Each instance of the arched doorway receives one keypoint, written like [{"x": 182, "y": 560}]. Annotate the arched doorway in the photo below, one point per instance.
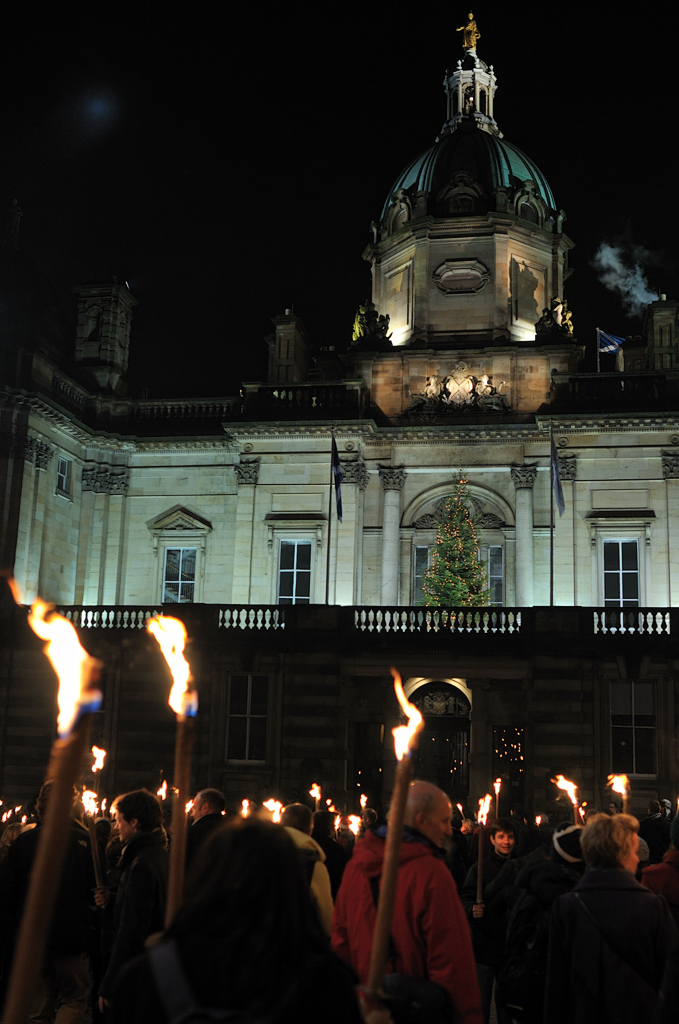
[{"x": 443, "y": 753}]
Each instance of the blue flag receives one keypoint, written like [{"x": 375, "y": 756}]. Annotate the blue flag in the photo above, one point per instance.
[
  {"x": 556, "y": 481},
  {"x": 338, "y": 476},
  {"x": 609, "y": 342}
]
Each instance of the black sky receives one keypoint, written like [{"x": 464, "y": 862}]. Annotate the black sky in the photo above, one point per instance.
[{"x": 228, "y": 163}]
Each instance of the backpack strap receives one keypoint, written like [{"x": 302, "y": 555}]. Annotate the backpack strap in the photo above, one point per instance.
[{"x": 650, "y": 994}]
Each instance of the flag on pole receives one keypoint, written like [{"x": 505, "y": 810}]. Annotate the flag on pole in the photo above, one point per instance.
[
  {"x": 609, "y": 342},
  {"x": 556, "y": 481},
  {"x": 338, "y": 476}
]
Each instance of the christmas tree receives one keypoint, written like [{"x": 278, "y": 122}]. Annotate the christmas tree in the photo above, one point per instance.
[{"x": 456, "y": 578}]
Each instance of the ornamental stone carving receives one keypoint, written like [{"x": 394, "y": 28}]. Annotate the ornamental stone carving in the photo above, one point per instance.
[
  {"x": 356, "y": 473},
  {"x": 488, "y": 521},
  {"x": 392, "y": 477},
  {"x": 458, "y": 392},
  {"x": 43, "y": 455},
  {"x": 247, "y": 470},
  {"x": 568, "y": 467},
  {"x": 524, "y": 476},
  {"x": 670, "y": 465},
  {"x": 119, "y": 480},
  {"x": 427, "y": 522}
]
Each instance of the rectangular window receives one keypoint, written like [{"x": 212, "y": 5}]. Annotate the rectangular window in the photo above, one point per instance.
[
  {"x": 179, "y": 576},
  {"x": 64, "y": 467},
  {"x": 422, "y": 563},
  {"x": 496, "y": 574},
  {"x": 633, "y": 726},
  {"x": 621, "y": 574},
  {"x": 247, "y": 708},
  {"x": 294, "y": 572}
]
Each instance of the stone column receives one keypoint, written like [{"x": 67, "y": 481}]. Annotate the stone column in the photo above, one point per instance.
[
  {"x": 565, "y": 562},
  {"x": 524, "y": 478},
  {"x": 393, "y": 479},
  {"x": 119, "y": 481},
  {"x": 356, "y": 473},
  {"x": 43, "y": 454},
  {"x": 670, "y": 472},
  {"x": 247, "y": 474}
]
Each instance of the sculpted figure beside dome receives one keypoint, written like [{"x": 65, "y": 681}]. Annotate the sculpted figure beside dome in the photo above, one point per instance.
[{"x": 471, "y": 33}]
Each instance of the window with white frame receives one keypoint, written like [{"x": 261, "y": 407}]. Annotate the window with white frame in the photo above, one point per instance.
[
  {"x": 495, "y": 574},
  {"x": 421, "y": 563},
  {"x": 294, "y": 572},
  {"x": 633, "y": 727},
  {"x": 247, "y": 709},
  {"x": 621, "y": 573},
  {"x": 179, "y": 576},
  {"x": 64, "y": 475}
]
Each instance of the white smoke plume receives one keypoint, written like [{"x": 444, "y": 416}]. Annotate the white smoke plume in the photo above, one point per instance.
[{"x": 621, "y": 271}]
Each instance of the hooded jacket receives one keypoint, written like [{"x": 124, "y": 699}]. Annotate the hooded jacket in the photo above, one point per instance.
[
  {"x": 320, "y": 879},
  {"x": 429, "y": 929}
]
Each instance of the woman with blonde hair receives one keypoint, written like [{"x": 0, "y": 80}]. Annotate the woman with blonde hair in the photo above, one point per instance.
[{"x": 612, "y": 943}]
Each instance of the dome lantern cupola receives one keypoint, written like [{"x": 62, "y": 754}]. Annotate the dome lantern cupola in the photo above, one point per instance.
[{"x": 470, "y": 93}]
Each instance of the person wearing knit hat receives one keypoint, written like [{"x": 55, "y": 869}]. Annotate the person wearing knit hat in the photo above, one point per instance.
[
  {"x": 663, "y": 879},
  {"x": 566, "y": 842}
]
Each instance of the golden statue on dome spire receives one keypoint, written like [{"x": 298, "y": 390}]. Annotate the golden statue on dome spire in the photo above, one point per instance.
[{"x": 471, "y": 34}]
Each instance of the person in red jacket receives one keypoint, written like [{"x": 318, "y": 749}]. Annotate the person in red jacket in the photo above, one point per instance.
[
  {"x": 663, "y": 879},
  {"x": 430, "y": 933}
]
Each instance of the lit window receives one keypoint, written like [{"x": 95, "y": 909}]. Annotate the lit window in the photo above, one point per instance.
[
  {"x": 294, "y": 572},
  {"x": 248, "y": 700},
  {"x": 421, "y": 564},
  {"x": 179, "y": 576},
  {"x": 633, "y": 728},
  {"x": 621, "y": 574},
  {"x": 64, "y": 468}
]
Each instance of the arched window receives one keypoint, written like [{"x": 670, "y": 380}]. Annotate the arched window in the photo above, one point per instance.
[
  {"x": 528, "y": 212},
  {"x": 482, "y": 101}
]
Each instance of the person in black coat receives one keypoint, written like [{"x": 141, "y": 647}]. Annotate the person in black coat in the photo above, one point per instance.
[
  {"x": 246, "y": 940},
  {"x": 488, "y": 920},
  {"x": 655, "y": 830},
  {"x": 139, "y": 908},
  {"x": 207, "y": 814},
  {"x": 64, "y": 979},
  {"x": 612, "y": 943},
  {"x": 336, "y": 858}
]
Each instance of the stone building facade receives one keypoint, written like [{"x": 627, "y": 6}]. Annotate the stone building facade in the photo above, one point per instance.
[{"x": 218, "y": 510}]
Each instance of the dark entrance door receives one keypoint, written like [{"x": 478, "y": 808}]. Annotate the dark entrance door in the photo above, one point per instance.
[{"x": 443, "y": 753}]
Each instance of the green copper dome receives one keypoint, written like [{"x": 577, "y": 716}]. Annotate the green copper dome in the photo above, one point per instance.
[{"x": 487, "y": 158}]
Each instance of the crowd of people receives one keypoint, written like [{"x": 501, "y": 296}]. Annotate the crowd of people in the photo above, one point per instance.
[{"x": 568, "y": 923}]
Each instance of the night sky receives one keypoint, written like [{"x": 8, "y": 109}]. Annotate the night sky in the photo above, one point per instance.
[{"x": 227, "y": 170}]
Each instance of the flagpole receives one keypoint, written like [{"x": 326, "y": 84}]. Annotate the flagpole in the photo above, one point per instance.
[
  {"x": 551, "y": 516},
  {"x": 327, "y": 564},
  {"x": 598, "y": 350}
]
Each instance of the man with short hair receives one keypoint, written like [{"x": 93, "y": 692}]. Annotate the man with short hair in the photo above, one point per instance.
[
  {"x": 335, "y": 856},
  {"x": 430, "y": 936},
  {"x": 207, "y": 815},
  {"x": 297, "y": 822},
  {"x": 655, "y": 829},
  {"x": 488, "y": 919}
]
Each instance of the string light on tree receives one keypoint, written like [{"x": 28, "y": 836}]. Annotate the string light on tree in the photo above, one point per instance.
[{"x": 456, "y": 577}]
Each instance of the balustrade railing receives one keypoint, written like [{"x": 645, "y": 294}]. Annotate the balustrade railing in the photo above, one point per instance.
[
  {"x": 252, "y": 617},
  {"x": 632, "y": 620},
  {"x": 88, "y": 617},
  {"x": 435, "y": 620}
]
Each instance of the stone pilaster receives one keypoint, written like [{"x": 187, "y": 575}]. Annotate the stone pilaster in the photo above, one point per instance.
[
  {"x": 392, "y": 479},
  {"x": 524, "y": 478}
]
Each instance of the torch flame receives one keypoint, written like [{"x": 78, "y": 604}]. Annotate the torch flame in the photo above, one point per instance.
[
  {"x": 538, "y": 819},
  {"x": 245, "y": 808},
  {"x": 171, "y": 636},
  {"x": 99, "y": 756},
  {"x": 484, "y": 807},
  {"x": 338, "y": 821},
  {"x": 497, "y": 785},
  {"x": 24, "y": 819},
  {"x": 315, "y": 791},
  {"x": 275, "y": 807},
  {"x": 364, "y": 800},
  {"x": 90, "y": 802},
  {"x": 328, "y": 802},
  {"x": 619, "y": 784},
  {"x": 188, "y": 807},
  {"x": 355, "y": 823},
  {"x": 103, "y": 805},
  {"x": 74, "y": 667},
  {"x": 568, "y": 787},
  {"x": 162, "y": 792},
  {"x": 460, "y": 809},
  {"x": 404, "y": 735}
]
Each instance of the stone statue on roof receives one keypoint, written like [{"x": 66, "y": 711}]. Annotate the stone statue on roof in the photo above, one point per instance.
[{"x": 471, "y": 34}]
